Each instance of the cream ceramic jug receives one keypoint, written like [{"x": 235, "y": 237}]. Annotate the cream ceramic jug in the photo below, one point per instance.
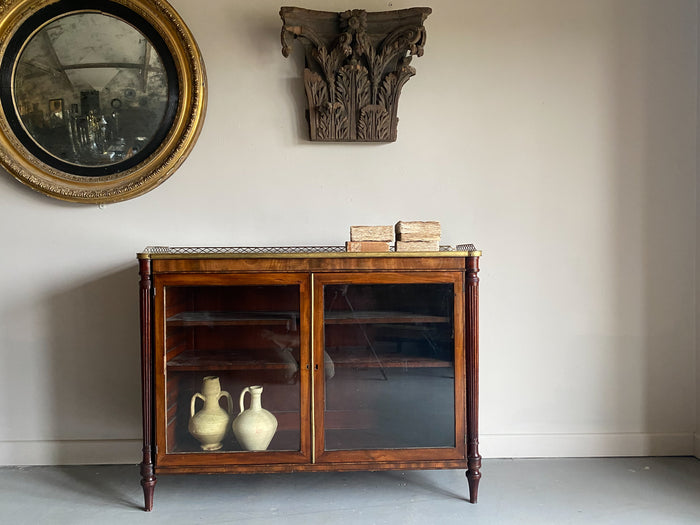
[
  {"x": 209, "y": 425},
  {"x": 254, "y": 427}
]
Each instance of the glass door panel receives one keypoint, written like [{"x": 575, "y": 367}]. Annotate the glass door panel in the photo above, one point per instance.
[
  {"x": 389, "y": 366},
  {"x": 225, "y": 339}
]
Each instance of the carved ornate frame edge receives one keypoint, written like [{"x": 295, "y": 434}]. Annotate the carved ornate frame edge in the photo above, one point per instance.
[{"x": 169, "y": 155}]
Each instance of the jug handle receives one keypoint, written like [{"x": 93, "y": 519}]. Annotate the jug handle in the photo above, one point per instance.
[
  {"x": 241, "y": 399},
  {"x": 229, "y": 402},
  {"x": 194, "y": 398}
]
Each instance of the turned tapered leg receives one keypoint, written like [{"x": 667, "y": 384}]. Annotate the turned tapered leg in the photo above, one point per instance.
[
  {"x": 473, "y": 477},
  {"x": 148, "y": 482}
]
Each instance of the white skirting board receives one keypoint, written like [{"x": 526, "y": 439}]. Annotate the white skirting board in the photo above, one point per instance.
[
  {"x": 71, "y": 452},
  {"x": 128, "y": 451}
]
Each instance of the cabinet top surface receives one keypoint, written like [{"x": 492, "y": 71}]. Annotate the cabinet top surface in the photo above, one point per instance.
[{"x": 182, "y": 252}]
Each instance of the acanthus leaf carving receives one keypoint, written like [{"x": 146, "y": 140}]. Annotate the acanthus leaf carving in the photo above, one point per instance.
[
  {"x": 340, "y": 121},
  {"x": 317, "y": 95},
  {"x": 356, "y": 65},
  {"x": 353, "y": 92},
  {"x": 374, "y": 123}
]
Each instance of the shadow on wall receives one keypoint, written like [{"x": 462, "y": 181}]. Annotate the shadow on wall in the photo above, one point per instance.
[
  {"x": 652, "y": 225},
  {"x": 267, "y": 30},
  {"x": 93, "y": 363}
]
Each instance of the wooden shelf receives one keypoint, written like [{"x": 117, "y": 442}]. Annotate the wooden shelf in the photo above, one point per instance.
[
  {"x": 374, "y": 317},
  {"x": 215, "y": 318},
  {"x": 393, "y": 361},
  {"x": 222, "y": 360},
  {"x": 283, "y": 441}
]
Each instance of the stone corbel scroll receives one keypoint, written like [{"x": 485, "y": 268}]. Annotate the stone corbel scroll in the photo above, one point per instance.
[{"x": 356, "y": 64}]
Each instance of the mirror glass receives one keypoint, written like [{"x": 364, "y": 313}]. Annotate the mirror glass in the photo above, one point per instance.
[{"x": 90, "y": 89}]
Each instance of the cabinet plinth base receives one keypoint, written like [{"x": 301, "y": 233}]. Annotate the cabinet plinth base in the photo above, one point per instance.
[{"x": 288, "y": 468}]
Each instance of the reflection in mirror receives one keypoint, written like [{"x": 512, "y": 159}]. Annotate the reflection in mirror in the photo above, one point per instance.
[{"x": 90, "y": 89}]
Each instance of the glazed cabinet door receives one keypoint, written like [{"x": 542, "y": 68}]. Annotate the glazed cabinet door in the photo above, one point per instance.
[
  {"x": 389, "y": 368},
  {"x": 227, "y": 342}
]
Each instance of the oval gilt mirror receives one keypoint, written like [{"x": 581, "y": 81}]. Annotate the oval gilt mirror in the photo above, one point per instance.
[{"x": 101, "y": 99}]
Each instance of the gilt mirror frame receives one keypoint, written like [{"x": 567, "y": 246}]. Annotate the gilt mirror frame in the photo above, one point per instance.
[{"x": 112, "y": 168}]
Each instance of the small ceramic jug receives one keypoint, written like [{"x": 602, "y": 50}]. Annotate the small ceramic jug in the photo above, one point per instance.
[
  {"x": 209, "y": 425},
  {"x": 254, "y": 427}
]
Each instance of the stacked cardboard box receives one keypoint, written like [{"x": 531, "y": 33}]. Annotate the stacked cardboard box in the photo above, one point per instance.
[
  {"x": 417, "y": 236},
  {"x": 370, "y": 239}
]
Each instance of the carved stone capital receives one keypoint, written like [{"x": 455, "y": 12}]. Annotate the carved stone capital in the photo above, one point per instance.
[{"x": 356, "y": 64}]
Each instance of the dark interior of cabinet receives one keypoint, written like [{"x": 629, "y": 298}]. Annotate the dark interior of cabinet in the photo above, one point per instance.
[
  {"x": 390, "y": 325},
  {"x": 392, "y": 346},
  {"x": 245, "y": 335}
]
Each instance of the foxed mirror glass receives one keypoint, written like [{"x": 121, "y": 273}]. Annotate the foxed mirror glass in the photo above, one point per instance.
[{"x": 101, "y": 99}]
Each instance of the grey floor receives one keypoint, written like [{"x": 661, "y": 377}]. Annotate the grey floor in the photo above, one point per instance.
[{"x": 536, "y": 491}]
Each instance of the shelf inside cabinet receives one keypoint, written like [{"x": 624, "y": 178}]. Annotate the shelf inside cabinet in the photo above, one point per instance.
[
  {"x": 222, "y": 360},
  {"x": 365, "y": 359},
  {"x": 371, "y": 317},
  {"x": 217, "y": 318},
  {"x": 284, "y": 440}
]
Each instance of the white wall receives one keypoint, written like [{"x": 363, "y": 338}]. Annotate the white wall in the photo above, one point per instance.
[
  {"x": 697, "y": 269},
  {"x": 559, "y": 136}
]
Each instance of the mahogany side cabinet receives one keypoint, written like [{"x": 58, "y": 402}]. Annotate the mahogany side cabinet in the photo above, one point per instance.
[{"x": 367, "y": 361}]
